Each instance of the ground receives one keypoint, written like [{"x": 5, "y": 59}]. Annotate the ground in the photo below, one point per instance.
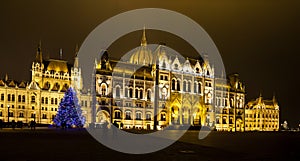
[{"x": 67, "y": 145}]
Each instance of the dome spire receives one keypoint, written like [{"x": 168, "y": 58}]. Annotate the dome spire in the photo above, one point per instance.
[{"x": 144, "y": 41}]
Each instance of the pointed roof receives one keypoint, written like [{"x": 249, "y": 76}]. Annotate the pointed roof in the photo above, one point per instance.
[
  {"x": 76, "y": 57},
  {"x": 144, "y": 40},
  {"x": 39, "y": 55}
]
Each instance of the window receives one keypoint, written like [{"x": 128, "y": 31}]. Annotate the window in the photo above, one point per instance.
[
  {"x": 43, "y": 100},
  {"x": 32, "y": 107},
  {"x": 173, "y": 84},
  {"x": 21, "y": 114},
  {"x": 2, "y": 97},
  {"x": 32, "y": 99},
  {"x": 138, "y": 116},
  {"x": 141, "y": 94},
  {"x": 197, "y": 70},
  {"x": 8, "y": 97},
  {"x": 199, "y": 87},
  {"x": 130, "y": 92},
  {"x": 178, "y": 85},
  {"x": 136, "y": 93},
  {"x": 118, "y": 92},
  {"x": 46, "y": 100},
  {"x": 11, "y": 114},
  {"x": 163, "y": 117},
  {"x": 166, "y": 77},
  {"x": 117, "y": 115},
  {"x": 12, "y": 97},
  {"x": 23, "y": 98},
  {"x": 128, "y": 115},
  {"x": 148, "y": 116},
  {"x": 19, "y": 98},
  {"x": 184, "y": 86},
  {"x": 0, "y": 113},
  {"x": 164, "y": 93},
  {"x": 32, "y": 115},
  {"x": 44, "y": 116},
  {"x": 161, "y": 77},
  {"x": 189, "y": 86},
  {"x": 1, "y": 105},
  {"x": 126, "y": 92},
  {"x": 195, "y": 87},
  {"x": 55, "y": 101},
  {"x": 148, "y": 94},
  {"x": 103, "y": 89},
  {"x": 23, "y": 107}
]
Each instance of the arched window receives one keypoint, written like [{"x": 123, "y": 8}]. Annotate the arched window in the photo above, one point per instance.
[
  {"x": 148, "y": 116},
  {"x": 128, "y": 115},
  {"x": 12, "y": 97},
  {"x": 195, "y": 87},
  {"x": 32, "y": 99},
  {"x": 164, "y": 64},
  {"x": 148, "y": 94},
  {"x": 117, "y": 114},
  {"x": 103, "y": 89},
  {"x": 173, "y": 84},
  {"x": 136, "y": 93},
  {"x": 178, "y": 85},
  {"x": 19, "y": 98},
  {"x": 141, "y": 94},
  {"x": 197, "y": 70},
  {"x": 199, "y": 87},
  {"x": 163, "y": 117},
  {"x": 130, "y": 92},
  {"x": 184, "y": 86},
  {"x": 189, "y": 86},
  {"x": 118, "y": 92}
]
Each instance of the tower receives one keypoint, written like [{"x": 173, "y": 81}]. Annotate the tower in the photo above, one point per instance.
[
  {"x": 76, "y": 79},
  {"x": 37, "y": 66}
]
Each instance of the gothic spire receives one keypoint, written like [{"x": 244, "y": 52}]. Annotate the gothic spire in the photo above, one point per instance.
[
  {"x": 76, "y": 57},
  {"x": 39, "y": 56},
  {"x": 144, "y": 41}
]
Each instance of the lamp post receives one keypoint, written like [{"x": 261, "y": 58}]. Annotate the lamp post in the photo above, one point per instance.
[{"x": 8, "y": 113}]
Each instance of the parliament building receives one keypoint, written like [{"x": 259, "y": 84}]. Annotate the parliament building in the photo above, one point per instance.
[{"x": 130, "y": 92}]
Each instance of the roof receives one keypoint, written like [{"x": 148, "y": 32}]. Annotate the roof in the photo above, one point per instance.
[{"x": 57, "y": 65}]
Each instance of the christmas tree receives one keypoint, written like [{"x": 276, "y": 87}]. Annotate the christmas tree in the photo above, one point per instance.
[{"x": 69, "y": 113}]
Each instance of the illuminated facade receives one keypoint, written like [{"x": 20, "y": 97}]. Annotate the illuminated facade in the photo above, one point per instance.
[
  {"x": 229, "y": 104},
  {"x": 185, "y": 92},
  {"x": 39, "y": 99},
  {"x": 262, "y": 115}
]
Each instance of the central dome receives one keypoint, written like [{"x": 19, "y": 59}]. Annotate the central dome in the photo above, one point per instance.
[{"x": 143, "y": 55}]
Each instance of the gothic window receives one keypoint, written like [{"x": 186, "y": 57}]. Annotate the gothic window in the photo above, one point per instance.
[
  {"x": 136, "y": 93},
  {"x": 173, "y": 84},
  {"x": 148, "y": 94},
  {"x": 199, "y": 88},
  {"x": 130, "y": 92},
  {"x": 103, "y": 89},
  {"x": 126, "y": 92},
  {"x": 164, "y": 93},
  {"x": 8, "y": 97},
  {"x": 12, "y": 97},
  {"x": 178, "y": 85},
  {"x": 197, "y": 70},
  {"x": 189, "y": 86},
  {"x": 207, "y": 72},
  {"x": 32, "y": 99},
  {"x": 117, "y": 92},
  {"x": 19, "y": 98},
  {"x": 195, "y": 87},
  {"x": 184, "y": 86},
  {"x": 141, "y": 94},
  {"x": 176, "y": 66}
]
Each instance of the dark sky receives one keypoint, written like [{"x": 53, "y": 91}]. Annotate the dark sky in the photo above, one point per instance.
[{"x": 259, "y": 39}]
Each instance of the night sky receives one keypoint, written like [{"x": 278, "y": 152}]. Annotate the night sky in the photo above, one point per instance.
[{"x": 259, "y": 39}]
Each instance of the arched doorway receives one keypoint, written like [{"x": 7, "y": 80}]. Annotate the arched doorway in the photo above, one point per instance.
[
  {"x": 175, "y": 115},
  {"x": 102, "y": 118}
]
